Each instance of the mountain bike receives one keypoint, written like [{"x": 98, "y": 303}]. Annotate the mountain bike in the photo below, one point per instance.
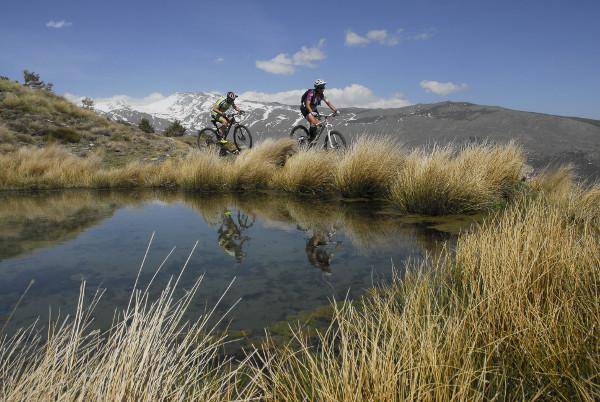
[
  {"x": 333, "y": 139},
  {"x": 242, "y": 138}
]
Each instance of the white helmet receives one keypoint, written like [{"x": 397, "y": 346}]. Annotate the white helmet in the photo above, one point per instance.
[{"x": 320, "y": 84}]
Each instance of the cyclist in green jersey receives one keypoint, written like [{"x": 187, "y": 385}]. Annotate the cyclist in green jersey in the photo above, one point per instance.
[{"x": 218, "y": 113}]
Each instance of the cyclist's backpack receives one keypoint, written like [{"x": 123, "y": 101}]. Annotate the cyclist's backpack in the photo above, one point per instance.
[{"x": 303, "y": 100}]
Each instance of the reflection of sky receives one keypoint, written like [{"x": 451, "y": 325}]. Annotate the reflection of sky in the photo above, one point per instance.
[{"x": 274, "y": 280}]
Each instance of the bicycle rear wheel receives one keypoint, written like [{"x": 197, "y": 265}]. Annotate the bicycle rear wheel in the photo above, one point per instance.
[
  {"x": 300, "y": 134},
  {"x": 242, "y": 138},
  {"x": 337, "y": 141},
  {"x": 207, "y": 138}
]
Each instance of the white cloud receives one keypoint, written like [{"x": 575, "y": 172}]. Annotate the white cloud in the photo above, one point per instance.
[
  {"x": 219, "y": 60},
  {"x": 442, "y": 88},
  {"x": 58, "y": 24},
  {"x": 354, "y": 95},
  {"x": 354, "y": 39},
  {"x": 106, "y": 104},
  {"x": 280, "y": 64},
  {"x": 425, "y": 35},
  {"x": 383, "y": 37},
  {"x": 377, "y": 35},
  {"x": 286, "y": 65},
  {"x": 307, "y": 55},
  {"x": 380, "y": 36}
]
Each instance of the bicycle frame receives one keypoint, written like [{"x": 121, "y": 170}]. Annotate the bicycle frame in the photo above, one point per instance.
[
  {"x": 325, "y": 124},
  {"x": 233, "y": 122}
]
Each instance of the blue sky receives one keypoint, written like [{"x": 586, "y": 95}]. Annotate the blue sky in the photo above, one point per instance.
[{"x": 533, "y": 55}]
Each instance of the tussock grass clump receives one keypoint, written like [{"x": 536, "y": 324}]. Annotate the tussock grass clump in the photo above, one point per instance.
[
  {"x": 446, "y": 181},
  {"x": 369, "y": 167},
  {"x": 201, "y": 171},
  {"x": 255, "y": 168},
  {"x": 49, "y": 167},
  {"x": 308, "y": 171},
  {"x": 514, "y": 316},
  {"x": 579, "y": 203}
]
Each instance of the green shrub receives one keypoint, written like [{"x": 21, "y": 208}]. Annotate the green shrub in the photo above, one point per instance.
[
  {"x": 63, "y": 134},
  {"x": 145, "y": 125},
  {"x": 175, "y": 129}
]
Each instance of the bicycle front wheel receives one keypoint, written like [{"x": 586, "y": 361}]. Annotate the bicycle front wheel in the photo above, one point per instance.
[
  {"x": 242, "y": 138},
  {"x": 206, "y": 138},
  {"x": 335, "y": 140}
]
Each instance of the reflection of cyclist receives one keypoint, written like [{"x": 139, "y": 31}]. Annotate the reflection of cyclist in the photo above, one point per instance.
[
  {"x": 310, "y": 100},
  {"x": 316, "y": 250},
  {"x": 230, "y": 236},
  {"x": 218, "y": 113}
]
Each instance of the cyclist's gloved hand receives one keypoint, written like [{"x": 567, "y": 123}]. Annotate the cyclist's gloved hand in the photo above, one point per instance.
[{"x": 242, "y": 111}]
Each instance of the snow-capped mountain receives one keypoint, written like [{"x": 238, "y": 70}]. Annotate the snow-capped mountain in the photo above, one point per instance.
[
  {"x": 546, "y": 138},
  {"x": 193, "y": 111}
]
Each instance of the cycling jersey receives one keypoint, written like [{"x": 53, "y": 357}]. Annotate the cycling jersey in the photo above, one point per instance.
[
  {"x": 312, "y": 98},
  {"x": 221, "y": 105}
]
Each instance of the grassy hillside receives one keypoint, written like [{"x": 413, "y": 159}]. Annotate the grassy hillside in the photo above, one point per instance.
[{"x": 38, "y": 117}]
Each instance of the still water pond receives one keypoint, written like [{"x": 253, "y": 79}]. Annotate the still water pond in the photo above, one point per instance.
[{"x": 287, "y": 255}]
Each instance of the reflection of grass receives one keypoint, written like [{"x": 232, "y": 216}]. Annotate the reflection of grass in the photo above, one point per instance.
[
  {"x": 437, "y": 182},
  {"x": 511, "y": 314},
  {"x": 33, "y": 220}
]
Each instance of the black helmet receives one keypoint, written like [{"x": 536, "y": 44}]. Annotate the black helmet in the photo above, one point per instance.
[{"x": 231, "y": 96}]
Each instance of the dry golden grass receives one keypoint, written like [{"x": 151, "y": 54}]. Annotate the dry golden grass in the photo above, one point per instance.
[
  {"x": 579, "y": 203},
  {"x": 149, "y": 354},
  {"x": 437, "y": 182},
  {"x": 49, "y": 167},
  {"x": 514, "y": 316},
  {"x": 447, "y": 181},
  {"x": 308, "y": 171},
  {"x": 255, "y": 168},
  {"x": 369, "y": 167}
]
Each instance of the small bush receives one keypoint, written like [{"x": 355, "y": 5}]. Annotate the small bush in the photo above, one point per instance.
[
  {"x": 175, "y": 129},
  {"x": 63, "y": 134},
  {"x": 145, "y": 126}
]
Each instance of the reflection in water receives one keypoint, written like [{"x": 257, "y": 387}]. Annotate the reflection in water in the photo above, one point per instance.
[
  {"x": 319, "y": 251},
  {"x": 271, "y": 244},
  {"x": 231, "y": 238}
]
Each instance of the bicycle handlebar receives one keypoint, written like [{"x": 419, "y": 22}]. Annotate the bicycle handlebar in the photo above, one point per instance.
[{"x": 326, "y": 116}]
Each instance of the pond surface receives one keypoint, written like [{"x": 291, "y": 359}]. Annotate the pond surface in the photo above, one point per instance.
[{"x": 287, "y": 255}]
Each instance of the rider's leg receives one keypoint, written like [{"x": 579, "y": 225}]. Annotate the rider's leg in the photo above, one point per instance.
[
  {"x": 312, "y": 132},
  {"x": 223, "y": 128}
]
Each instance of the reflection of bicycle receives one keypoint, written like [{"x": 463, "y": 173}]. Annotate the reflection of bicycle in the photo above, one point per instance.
[
  {"x": 333, "y": 139},
  {"x": 320, "y": 249},
  {"x": 230, "y": 234},
  {"x": 209, "y": 137}
]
